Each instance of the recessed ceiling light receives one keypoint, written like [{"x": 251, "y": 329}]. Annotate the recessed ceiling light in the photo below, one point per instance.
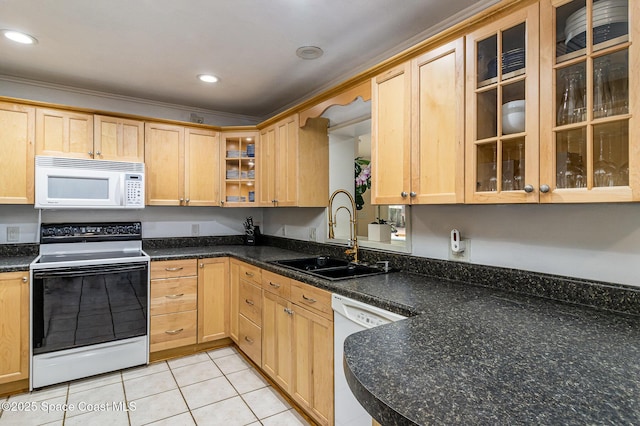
[
  {"x": 19, "y": 37},
  {"x": 309, "y": 52},
  {"x": 208, "y": 78}
]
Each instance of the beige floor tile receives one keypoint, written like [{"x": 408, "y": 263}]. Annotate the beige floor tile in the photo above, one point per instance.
[
  {"x": 287, "y": 418},
  {"x": 141, "y": 387},
  {"x": 219, "y": 353},
  {"x": 101, "y": 418},
  {"x": 157, "y": 407},
  {"x": 41, "y": 412},
  {"x": 187, "y": 360},
  {"x": 42, "y": 394},
  {"x": 231, "y": 363},
  {"x": 156, "y": 367},
  {"x": 183, "y": 419},
  {"x": 94, "y": 382},
  {"x": 194, "y": 373},
  {"x": 265, "y": 402},
  {"x": 207, "y": 392},
  {"x": 230, "y": 412},
  {"x": 247, "y": 380},
  {"x": 93, "y": 399}
]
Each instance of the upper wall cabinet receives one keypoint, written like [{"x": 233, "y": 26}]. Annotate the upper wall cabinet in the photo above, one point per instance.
[
  {"x": 418, "y": 130},
  {"x": 183, "y": 166},
  {"x": 17, "y": 133},
  {"x": 502, "y": 151},
  {"x": 118, "y": 139},
  {"x": 239, "y": 171},
  {"x": 590, "y": 147},
  {"x": 293, "y": 164},
  {"x": 64, "y": 133}
]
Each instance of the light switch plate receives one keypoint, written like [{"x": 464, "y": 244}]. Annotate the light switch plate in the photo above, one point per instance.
[{"x": 13, "y": 234}]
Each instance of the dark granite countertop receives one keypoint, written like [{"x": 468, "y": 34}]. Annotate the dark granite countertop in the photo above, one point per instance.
[{"x": 469, "y": 354}]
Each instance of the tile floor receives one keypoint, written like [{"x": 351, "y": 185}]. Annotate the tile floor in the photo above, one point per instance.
[{"x": 211, "y": 388}]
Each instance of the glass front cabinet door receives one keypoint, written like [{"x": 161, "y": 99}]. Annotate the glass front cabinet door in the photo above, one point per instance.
[
  {"x": 589, "y": 88},
  {"x": 502, "y": 110}
]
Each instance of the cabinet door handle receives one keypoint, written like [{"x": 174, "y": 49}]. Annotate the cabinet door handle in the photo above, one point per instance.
[
  {"x": 248, "y": 339},
  {"x": 90, "y": 154},
  {"x": 98, "y": 153},
  {"x": 249, "y": 302},
  {"x": 173, "y": 332},
  {"x": 202, "y": 265},
  {"x": 412, "y": 194},
  {"x": 274, "y": 285},
  {"x": 528, "y": 188},
  {"x": 309, "y": 299},
  {"x": 249, "y": 274},
  {"x": 177, "y": 268},
  {"x": 174, "y": 296},
  {"x": 544, "y": 188},
  {"x": 288, "y": 311},
  {"x": 25, "y": 279},
  {"x": 404, "y": 194},
  {"x": 187, "y": 200}
]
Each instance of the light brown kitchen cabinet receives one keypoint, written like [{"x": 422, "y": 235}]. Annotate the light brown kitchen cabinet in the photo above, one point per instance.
[
  {"x": 118, "y": 139},
  {"x": 297, "y": 343},
  {"x": 589, "y": 144},
  {"x": 14, "y": 323},
  {"x": 502, "y": 132},
  {"x": 277, "y": 329},
  {"x": 246, "y": 309},
  {"x": 293, "y": 167},
  {"x": 213, "y": 299},
  {"x": 391, "y": 136},
  {"x": 173, "y": 304},
  {"x": 239, "y": 170},
  {"x": 418, "y": 129},
  {"x": 17, "y": 135},
  {"x": 64, "y": 133},
  {"x": 182, "y": 165}
]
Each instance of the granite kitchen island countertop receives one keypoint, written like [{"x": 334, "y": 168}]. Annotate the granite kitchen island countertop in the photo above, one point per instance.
[{"x": 469, "y": 354}]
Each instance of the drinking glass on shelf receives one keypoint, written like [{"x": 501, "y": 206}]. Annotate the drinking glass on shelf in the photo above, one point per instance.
[
  {"x": 604, "y": 170},
  {"x": 493, "y": 180},
  {"x": 623, "y": 175},
  {"x": 601, "y": 90},
  {"x": 618, "y": 86},
  {"x": 518, "y": 173},
  {"x": 571, "y": 107}
]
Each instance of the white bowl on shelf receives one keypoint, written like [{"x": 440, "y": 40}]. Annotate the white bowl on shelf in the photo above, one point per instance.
[{"x": 513, "y": 117}]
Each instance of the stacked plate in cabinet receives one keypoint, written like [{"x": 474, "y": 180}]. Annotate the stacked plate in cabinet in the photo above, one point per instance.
[{"x": 610, "y": 20}]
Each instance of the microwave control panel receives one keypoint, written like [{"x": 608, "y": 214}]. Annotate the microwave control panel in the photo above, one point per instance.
[{"x": 134, "y": 190}]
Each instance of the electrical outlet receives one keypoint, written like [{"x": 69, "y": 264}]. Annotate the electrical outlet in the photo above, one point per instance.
[
  {"x": 195, "y": 230},
  {"x": 13, "y": 234},
  {"x": 312, "y": 234},
  {"x": 465, "y": 256}
]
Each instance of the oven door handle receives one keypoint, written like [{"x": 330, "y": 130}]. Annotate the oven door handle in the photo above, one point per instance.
[{"x": 88, "y": 270}]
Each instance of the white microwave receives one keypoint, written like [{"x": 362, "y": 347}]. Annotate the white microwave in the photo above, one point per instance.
[{"x": 72, "y": 183}]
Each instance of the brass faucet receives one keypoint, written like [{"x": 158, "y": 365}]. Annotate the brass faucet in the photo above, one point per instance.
[{"x": 353, "y": 232}]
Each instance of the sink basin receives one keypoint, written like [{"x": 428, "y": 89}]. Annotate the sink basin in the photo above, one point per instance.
[{"x": 329, "y": 268}]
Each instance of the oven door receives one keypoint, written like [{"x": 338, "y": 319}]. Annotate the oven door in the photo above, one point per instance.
[{"x": 76, "y": 306}]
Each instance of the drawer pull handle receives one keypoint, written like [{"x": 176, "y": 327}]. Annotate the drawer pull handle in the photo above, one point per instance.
[
  {"x": 174, "y": 296},
  {"x": 309, "y": 299},
  {"x": 249, "y": 274},
  {"x": 249, "y": 302},
  {"x": 274, "y": 285},
  {"x": 172, "y": 332},
  {"x": 177, "y": 268},
  {"x": 248, "y": 339}
]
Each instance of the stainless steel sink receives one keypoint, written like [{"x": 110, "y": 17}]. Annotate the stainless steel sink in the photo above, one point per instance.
[{"x": 329, "y": 268}]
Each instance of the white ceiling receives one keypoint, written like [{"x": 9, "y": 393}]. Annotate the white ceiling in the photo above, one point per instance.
[{"x": 154, "y": 49}]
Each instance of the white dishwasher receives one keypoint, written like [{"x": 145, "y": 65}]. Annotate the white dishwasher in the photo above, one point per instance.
[{"x": 350, "y": 317}]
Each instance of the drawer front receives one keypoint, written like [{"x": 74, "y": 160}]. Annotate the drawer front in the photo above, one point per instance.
[
  {"x": 250, "y": 273},
  {"x": 276, "y": 284},
  {"x": 250, "y": 339},
  {"x": 312, "y": 298},
  {"x": 250, "y": 302},
  {"x": 174, "y": 268},
  {"x": 173, "y": 330},
  {"x": 174, "y": 295}
]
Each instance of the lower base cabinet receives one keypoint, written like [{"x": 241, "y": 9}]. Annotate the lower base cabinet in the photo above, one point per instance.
[
  {"x": 213, "y": 299},
  {"x": 14, "y": 326}
]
